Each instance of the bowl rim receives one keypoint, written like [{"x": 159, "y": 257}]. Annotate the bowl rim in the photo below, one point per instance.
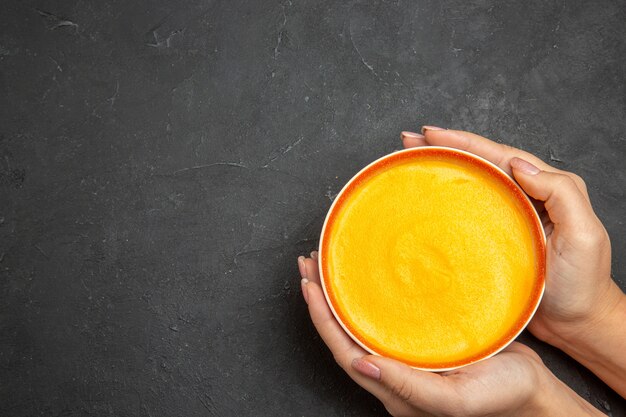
[{"x": 505, "y": 176}]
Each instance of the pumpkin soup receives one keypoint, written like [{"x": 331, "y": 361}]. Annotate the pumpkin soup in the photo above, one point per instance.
[{"x": 434, "y": 257}]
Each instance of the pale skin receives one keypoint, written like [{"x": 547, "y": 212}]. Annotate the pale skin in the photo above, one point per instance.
[{"x": 582, "y": 312}]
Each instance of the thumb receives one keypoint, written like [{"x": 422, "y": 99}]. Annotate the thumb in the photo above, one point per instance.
[
  {"x": 566, "y": 205},
  {"x": 423, "y": 390}
]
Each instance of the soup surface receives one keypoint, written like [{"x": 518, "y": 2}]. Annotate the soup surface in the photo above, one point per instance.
[{"x": 432, "y": 257}]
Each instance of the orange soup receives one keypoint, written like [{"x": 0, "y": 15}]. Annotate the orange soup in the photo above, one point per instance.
[{"x": 434, "y": 257}]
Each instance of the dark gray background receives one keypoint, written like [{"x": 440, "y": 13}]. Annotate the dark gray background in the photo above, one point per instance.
[{"x": 162, "y": 164}]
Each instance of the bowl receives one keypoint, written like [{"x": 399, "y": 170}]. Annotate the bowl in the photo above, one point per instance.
[{"x": 434, "y": 257}]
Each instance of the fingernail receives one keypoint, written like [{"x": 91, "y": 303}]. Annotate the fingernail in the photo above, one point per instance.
[
  {"x": 524, "y": 166},
  {"x": 302, "y": 266},
  {"x": 366, "y": 368},
  {"x": 411, "y": 135},
  {"x": 425, "y": 128},
  {"x": 314, "y": 255},
  {"x": 305, "y": 290}
]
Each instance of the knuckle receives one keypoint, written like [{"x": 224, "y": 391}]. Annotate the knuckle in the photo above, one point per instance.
[
  {"x": 565, "y": 186},
  {"x": 594, "y": 235},
  {"x": 566, "y": 180},
  {"x": 510, "y": 149},
  {"x": 402, "y": 390},
  {"x": 342, "y": 358},
  {"x": 534, "y": 356},
  {"x": 572, "y": 180},
  {"x": 340, "y": 361},
  {"x": 580, "y": 182},
  {"x": 577, "y": 178}
]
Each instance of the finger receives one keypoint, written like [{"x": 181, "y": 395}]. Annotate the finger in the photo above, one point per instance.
[
  {"x": 423, "y": 390},
  {"x": 566, "y": 205},
  {"x": 412, "y": 139},
  {"x": 302, "y": 266},
  {"x": 312, "y": 270},
  {"x": 518, "y": 347},
  {"x": 496, "y": 153},
  {"x": 343, "y": 348}
]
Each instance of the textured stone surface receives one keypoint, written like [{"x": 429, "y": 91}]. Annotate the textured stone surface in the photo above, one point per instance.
[{"x": 162, "y": 164}]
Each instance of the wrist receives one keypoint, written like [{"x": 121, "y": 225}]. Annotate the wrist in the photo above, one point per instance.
[
  {"x": 582, "y": 334},
  {"x": 579, "y": 331},
  {"x": 599, "y": 344},
  {"x": 556, "y": 399}
]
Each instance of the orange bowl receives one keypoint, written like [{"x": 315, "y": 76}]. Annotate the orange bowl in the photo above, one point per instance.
[{"x": 432, "y": 256}]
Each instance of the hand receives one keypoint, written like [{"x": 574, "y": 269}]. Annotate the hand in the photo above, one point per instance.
[
  {"x": 582, "y": 310},
  {"x": 513, "y": 383},
  {"x": 578, "y": 247}
]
